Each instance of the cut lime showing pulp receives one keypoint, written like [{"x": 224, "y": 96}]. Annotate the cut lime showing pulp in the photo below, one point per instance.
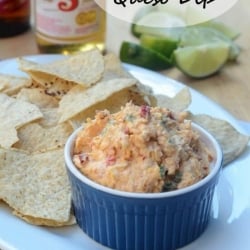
[
  {"x": 223, "y": 28},
  {"x": 141, "y": 13},
  {"x": 138, "y": 55},
  {"x": 162, "y": 45},
  {"x": 160, "y": 24},
  {"x": 158, "y": 19},
  {"x": 173, "y": 33},
  {"x": 197, "y": 35},
  {"x": 202, "y": 60}
]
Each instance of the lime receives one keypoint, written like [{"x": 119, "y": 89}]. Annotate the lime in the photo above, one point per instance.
[
  {"x": 161, "y": 44},
  {"x": 161, "y": 24},
  {"x": 161, "y": 19},
  {"x": 141, "y": 13},
  {"x": 138, "y": 55},
  {"x": 198, "y": 35},
  {"x": 221, "y": 27},
  {"x": 201, "y": 60}
]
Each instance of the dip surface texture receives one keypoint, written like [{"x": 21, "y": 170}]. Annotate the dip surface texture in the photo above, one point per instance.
[{"x": 141, "y": 149}]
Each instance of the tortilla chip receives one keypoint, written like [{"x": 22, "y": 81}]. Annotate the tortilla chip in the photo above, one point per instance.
[
  {"x": 112, "y": 103},
  {"x": 38, "y": 97},
  {"x": 8, "y": 136},
  {"x": 45, "y": 222},
  {"x": 232, "y": 142},
  {"x": 16, "y": 113},
  {"x": 50, "y": 117},
  {"x": 34, "y": 138},
  {"x": 10, "y": 85},
  {"x": 178, "y": 103},
  {"x": 84, "y": 68},
  {"x": 13, "y": 115},
  {"x": 2, "y": 85},
  {"x": 79, "y": 99},
  {"x": 36, "y": 185},
  {"x": 113, "y": 68},
  {"x": 52, "y": 85}
]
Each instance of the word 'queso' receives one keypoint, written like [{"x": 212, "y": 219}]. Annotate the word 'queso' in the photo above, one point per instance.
[{"x": 155, "y": 2}]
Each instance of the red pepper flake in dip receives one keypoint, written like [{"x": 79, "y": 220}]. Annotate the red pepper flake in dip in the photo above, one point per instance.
[
  {"x": 141, "y": 149},
  {"x": 145, "y": 111}
]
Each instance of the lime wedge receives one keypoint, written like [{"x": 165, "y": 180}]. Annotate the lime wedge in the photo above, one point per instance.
[
  {"x": 223, "y": 28},
  {"x": 141, "y": 13},
  {"x": 138, "y": 55},
  {"x": 161, "y": 24},
  {"x": 198, "y": 35},
  {"x": 161, "y": 19},
  {"x": 161, "y": 44},
  {"x": 202, "y": 60}
]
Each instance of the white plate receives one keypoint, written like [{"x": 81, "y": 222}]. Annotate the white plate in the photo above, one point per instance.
[{"x": 230, "y": 224}]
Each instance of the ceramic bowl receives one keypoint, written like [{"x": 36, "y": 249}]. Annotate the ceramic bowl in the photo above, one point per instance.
[{"x": 149, "y": 221}]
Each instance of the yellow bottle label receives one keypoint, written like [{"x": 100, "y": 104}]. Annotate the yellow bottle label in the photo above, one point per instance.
[{"x": 67, "y": 21}]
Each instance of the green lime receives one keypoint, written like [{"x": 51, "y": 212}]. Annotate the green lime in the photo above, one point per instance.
[
  {"x": 141, "y": 13},
  {"x": 161, "y": 19},
  {"x": 198, "y": 35},
  {"x": 138, "y": 55},
  {"x": 160, "y": 23},
  {"x": 201, "y": 60},
  {"x": 191, "y": 16},
  {"x": 161, "y": 44},
  {"x": 221, "y": 27}
]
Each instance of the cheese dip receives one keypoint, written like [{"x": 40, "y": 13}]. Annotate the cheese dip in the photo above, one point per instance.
[{"x": 141, "y": 149}]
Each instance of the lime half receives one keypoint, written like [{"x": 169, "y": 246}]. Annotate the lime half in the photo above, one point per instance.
[
  {"x": 221, "y": 27},
  {"x": 163, "y": 19},
  {"x": 138, "y": 55},
  {"x": 141, "y": 13},
  {"x": 159, "y": 23},
  {"x": 198, "y": 35},
  {"x": 202, "y": 60}
]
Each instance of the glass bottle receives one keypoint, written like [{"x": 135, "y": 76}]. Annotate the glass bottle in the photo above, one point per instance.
[
  {"x": 14, "y": 17},
  {"x": 68, "y": 26}
]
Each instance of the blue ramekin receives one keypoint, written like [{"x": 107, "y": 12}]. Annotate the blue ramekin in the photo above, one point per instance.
[{"x": 143, "y": 221}]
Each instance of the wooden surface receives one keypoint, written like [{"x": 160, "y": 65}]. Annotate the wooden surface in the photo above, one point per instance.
[{"x": 230, "y": 88}]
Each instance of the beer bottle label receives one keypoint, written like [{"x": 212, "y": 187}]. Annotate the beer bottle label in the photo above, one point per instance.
[{"x": 67, "y": 21}]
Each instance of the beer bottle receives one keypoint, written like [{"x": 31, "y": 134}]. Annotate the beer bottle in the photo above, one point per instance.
[
  {"x": 14, "y": 17},
  {"x": 69, "y": 26}
]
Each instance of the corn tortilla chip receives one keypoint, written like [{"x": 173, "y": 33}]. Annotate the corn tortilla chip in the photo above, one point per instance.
[
  {"x": 112, "y": 103},
  {"x": 34, "y": 138},
  {"x": 45, "y": 222},
  {"x": 52, "y": 85},
  {"x": 13, "y": 115},
  {"x": 38, "y": 97},
  {"x": 2, "y": 85},
  {"x": 8, "y": 136},
  {"x": 50, "y": 117},
  {"x": 84, "y": 68},
  {"x": 36, "y": 185},
  {"x": 178, "y": 103},
  {"x": 79, "y": 99},
  {"x": 10, "y": 85},
  {"x": 113, "y": 68},
  {"x": 232, "y": 142}
]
